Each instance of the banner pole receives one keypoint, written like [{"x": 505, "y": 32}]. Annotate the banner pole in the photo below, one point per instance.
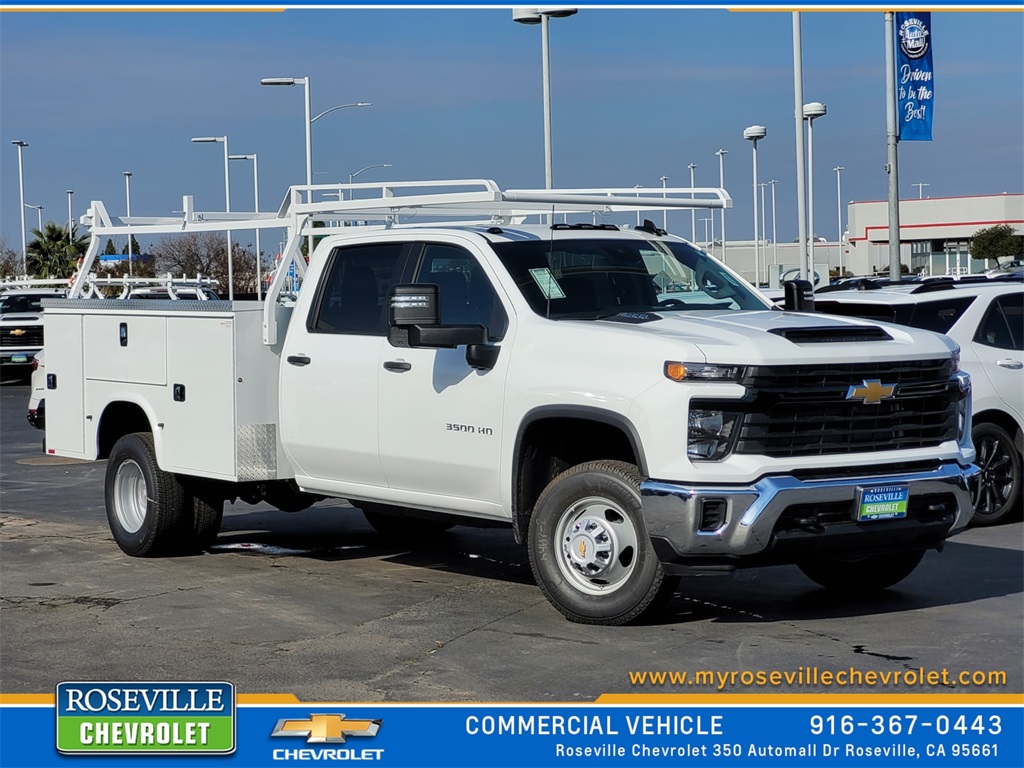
[{"x": 891, "y": 139}]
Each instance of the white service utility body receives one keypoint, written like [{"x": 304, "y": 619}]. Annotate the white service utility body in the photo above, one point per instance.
[{"x": 631, "y": 407}]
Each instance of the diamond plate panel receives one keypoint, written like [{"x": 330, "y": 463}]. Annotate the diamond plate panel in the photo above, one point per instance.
[{"x": 256, "y": 452}]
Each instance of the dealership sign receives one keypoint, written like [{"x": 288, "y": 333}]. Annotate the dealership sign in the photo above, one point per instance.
[{"x": 914, "y": 77}]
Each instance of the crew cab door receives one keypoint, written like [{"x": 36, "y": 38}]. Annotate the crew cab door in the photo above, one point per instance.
[
  {"x": 440, "y": 419},
  {"x": 329, "y": 369}
]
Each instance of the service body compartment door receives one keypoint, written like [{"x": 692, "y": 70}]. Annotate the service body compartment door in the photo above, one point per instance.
[
  {"x": 198, "y": 409},
  {"x": 125, "y": 347},
  {"x": 65, "y": 403}
]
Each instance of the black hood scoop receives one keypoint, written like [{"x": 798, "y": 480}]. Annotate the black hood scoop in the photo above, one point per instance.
[{"x": 832, "y": 334}]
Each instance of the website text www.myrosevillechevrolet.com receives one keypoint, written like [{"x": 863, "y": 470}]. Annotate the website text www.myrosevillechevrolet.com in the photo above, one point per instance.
[{"x": 812, "y": 676}]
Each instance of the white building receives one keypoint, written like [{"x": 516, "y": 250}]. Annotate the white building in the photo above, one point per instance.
[{"x": 935, "y": 233}]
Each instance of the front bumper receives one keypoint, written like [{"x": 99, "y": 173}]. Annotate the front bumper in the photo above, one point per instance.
[{"x": 785, "y": 519}]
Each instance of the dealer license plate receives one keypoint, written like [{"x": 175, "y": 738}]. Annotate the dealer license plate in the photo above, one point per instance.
[
  {"x": 19, "y": 358},
  {"x": 881, "y": 502}
]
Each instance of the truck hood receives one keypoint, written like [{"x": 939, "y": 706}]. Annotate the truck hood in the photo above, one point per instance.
[{"x": 773, "y": 337}]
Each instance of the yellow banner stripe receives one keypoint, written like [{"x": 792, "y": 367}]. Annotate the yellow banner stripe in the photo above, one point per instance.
[{"x": 895, "y": 699}]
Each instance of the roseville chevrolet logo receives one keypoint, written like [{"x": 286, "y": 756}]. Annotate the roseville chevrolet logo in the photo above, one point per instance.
[
  {"x": 326, "y": 729},
  {"x": 871, "y": 392}
]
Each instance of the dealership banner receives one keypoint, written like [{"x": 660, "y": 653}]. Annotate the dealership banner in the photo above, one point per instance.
[
  {"x": 130, "y": 724},
  {"x": 914, "y": 77}
]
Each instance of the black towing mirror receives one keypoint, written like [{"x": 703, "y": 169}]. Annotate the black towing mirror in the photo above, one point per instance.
[
  {"x": 799, "y": 296},
  {"x": 415, "y": 321}
]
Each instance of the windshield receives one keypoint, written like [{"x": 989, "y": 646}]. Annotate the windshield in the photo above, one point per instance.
[
  {"x": 601, "y": 277},
  {"x": 12, "y": 303}
]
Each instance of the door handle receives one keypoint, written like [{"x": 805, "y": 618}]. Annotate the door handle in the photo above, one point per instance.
[
  {"x": 299, "y": 360},
  {"x": 1013, "y": 365},
  {"x": 397, "y": 366}
]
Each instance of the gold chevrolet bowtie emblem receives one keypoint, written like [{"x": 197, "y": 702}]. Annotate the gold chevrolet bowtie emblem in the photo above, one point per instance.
[
  {"x": 583, "y": 548},
  {"x": 323, "y": 729},
  {"x": 872, "y": 391},
  {"x": 18, "y": 332}
]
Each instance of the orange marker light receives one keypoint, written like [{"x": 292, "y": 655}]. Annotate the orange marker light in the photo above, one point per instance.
[{"x": 675, "y": 371}]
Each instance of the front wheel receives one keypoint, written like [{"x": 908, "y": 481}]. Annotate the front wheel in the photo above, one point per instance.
[
  {"x": 589, "y": 548},
  {"x": 863, "y": 574}
]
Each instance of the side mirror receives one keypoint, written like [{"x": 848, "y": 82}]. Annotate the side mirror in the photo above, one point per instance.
[
  {"x": 414, "y": 305},
  {"x": 799, "y": 296},
  {"x": 415, "y": 321}
]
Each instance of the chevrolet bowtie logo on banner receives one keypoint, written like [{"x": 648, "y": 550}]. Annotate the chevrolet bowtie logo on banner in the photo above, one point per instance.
[
  {"x": 326, "y": 729},
  {"x": 872, "y": 391}
]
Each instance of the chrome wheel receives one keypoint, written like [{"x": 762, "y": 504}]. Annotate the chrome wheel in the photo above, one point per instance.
[
  {"x": 598, "y": 545},
  {"x": 130, "y": 496}
]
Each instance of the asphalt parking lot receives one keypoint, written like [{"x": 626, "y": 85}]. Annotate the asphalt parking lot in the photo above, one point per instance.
[{"x": 319, "y": 605}]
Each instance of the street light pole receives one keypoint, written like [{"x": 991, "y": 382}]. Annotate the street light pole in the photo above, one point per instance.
[
  {"x": 798, "y": 100},
  {"x": 839, "y": 213},
  {"x": 764, "y": 229},
  {"x": 775, "y": 239},
  {"x": 128, "y": 202},
  {"x": 811, "y": 111},
  {"x": 70, "y": 192},
  {"x": 39, "y": 211},
  {"x": 541, "y": 16},
  {"x": 753, "y": 134},
  {"x": 664, "y": 213},
  {"x": 256, "y": 209},
  {"x": 693, "y": 211},
  {"x": 352, "y": 176},
  {"x": 21, "y": 186},
  {"x": 304, "y": 82},
  {"x": 721, "y": 183},
  {"x": 227, "y": 202},
  {"x": 920, "y": 189}
]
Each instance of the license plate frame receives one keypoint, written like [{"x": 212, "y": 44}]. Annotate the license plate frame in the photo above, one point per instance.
[{"x": 881, "y": 502}]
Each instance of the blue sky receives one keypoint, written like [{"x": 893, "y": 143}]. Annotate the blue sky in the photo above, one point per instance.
[{"x": 636, "y": 94}]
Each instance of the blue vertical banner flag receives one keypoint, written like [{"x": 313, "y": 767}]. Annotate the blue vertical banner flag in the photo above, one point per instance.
[{"x": 915, "y": 85}]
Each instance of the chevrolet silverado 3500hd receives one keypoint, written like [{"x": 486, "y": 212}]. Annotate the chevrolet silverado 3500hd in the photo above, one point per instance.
[{"x": 630, "y": 406}]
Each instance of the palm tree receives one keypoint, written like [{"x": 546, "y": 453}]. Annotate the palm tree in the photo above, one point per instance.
[{"x": 52, "y": 254}]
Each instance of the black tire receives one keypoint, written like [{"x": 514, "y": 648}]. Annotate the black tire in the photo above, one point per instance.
[
  {"x": 864, "y": 574},
  {"x": 589, "y": 549},
  {"x": 403, "y": 525},
  {"x": 200, "y": 522},
  {"x": 145, "y": 505},
  {"x": 996, "y": 490}
]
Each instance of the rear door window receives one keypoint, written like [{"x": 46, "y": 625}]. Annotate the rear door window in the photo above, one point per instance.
[
  {"x": 353, "y": 295},
  {"x": 1003, "y": 324},
  {"x": 940, "y": 316}
]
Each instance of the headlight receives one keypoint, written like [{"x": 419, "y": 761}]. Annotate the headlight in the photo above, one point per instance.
[
  {"x": 709, "y": 435},
  {"x": 702, "y": 371}
]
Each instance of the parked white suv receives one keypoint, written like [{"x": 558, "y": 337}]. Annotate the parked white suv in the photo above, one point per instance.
[{"x": 986, "y": 318}]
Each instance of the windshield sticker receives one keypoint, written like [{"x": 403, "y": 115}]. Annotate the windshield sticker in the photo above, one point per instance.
[{"x": 546, "y": 282}]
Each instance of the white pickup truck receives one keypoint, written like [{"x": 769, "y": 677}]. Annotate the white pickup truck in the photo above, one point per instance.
[{"x": 629, "y": 406}]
